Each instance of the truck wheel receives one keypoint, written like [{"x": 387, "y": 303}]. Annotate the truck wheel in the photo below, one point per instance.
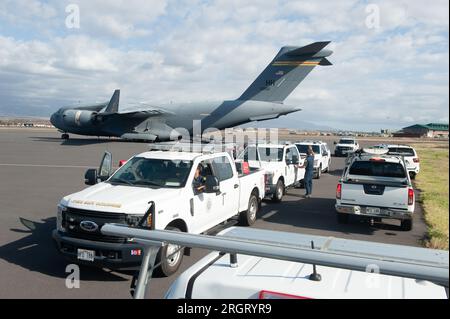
[
  {"x": 406, "y": 224},
  {"x": 169, "y": 265},
  {"x": 279, "y": 192},
  {"x": 319, "y": 172},
  {"x": 342, "y": 218},
  {"x": 248, "y": 217}
]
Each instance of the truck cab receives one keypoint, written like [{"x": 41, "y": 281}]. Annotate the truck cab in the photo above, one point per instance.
[
  {"x": 409, "y": 154},
  {"x": 181, "y": 191},
  {"x": 282, "y": 165}
]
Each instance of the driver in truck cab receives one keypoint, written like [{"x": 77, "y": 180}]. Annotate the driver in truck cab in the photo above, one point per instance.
[{"x": 199, "y": 180}]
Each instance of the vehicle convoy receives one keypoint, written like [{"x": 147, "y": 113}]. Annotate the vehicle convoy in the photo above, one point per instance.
[
  {"x": 322, "y": 155},
  {"x": 345, "y": 146},
  {"x": 409, "y": 154},
  {"x": 375, "y": 186},
  {"x": 251, "y": 263},
  {"x": 154, "y": 190},
  {"x": 281, "y": 163}
]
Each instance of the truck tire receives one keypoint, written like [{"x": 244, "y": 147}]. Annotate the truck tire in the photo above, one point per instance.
[
  {"x": 342, "y": 218},
  {"x": 406, "y": 224},
  {"x": 319, "y": 172},
  {"x": 169, "y": 265},
  {"x": 248, "y": 217},
  {"x": 279, "y": 192}
]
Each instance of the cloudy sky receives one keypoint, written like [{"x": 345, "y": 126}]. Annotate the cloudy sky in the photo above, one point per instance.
[{"x": 391, "y": 58}]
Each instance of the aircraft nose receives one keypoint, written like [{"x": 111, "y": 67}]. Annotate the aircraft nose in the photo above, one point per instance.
[{"x": 53, "y": 120}]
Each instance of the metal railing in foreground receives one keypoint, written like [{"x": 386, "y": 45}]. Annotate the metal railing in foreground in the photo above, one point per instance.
[{"x": 395, "y": 260}]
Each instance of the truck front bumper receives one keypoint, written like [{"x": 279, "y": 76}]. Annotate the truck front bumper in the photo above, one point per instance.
[
  {"x": 108, "y": 255},
  {"x": 391, "y": 213}
]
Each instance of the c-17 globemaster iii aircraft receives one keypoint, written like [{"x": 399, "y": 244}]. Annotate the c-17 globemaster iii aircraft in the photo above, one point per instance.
[{"x": 263, "y": 100}]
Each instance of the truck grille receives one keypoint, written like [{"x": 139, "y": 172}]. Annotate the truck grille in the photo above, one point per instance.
[{"x": 74, "y": 217}]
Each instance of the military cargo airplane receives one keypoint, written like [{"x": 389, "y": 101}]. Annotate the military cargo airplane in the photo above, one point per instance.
[{"x": 263, "y": 100}]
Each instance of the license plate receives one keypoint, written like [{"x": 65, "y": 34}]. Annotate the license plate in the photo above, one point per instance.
[
  {"x": 373, "y": 210},
  {"x": 86, "y": 255}
]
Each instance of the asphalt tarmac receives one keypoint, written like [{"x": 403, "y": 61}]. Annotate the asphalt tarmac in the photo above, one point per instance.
[{"x": 37, "y": 169}]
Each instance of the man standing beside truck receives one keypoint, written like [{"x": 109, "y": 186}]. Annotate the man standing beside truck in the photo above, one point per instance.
[{"x": 309, "y": 171}]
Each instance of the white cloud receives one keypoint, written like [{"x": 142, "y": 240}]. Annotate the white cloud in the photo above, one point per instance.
[{"x": 193, "y": 50}]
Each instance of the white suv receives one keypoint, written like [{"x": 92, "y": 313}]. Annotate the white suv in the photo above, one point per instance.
[
  {"x": 322, "y": 155},
  {"x": 409, "y": 154}
]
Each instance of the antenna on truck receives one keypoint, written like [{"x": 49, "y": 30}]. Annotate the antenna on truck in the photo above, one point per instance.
[{"x": 314, "y": 276}]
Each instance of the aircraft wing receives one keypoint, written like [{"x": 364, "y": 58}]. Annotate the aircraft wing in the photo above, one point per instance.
[
  {"x": 94, "y": 107},
  {"x": 144, "y": 113}
]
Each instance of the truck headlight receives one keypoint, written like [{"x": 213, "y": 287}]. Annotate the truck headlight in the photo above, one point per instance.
[{"x": 61, "y": 218}]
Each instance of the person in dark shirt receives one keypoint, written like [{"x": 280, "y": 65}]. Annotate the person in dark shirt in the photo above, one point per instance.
[
  {"x": 199, "y": 180},
  {"x": 309, "y": 172}
]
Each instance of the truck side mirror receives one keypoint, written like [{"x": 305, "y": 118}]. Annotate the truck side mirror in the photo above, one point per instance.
[
  {"x": 105, "y": 169},
  {"x": 90, "y": 177},
  {"x": 212, "y": 184}
]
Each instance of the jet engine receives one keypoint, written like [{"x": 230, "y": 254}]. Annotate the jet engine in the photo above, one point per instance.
[{"x": 79, "y": 117}]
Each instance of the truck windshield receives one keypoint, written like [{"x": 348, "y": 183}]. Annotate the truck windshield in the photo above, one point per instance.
[
  {"x": 140, "y": 171},
  {"x": 382, "y": 169},
  {"x": 346, "y": 142},
  {"x": 302, "y": 148}
]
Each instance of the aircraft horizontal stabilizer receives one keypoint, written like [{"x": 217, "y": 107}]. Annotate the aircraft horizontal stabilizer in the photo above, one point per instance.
[
  {"x": 325, "y": 62},
  {"x": 310, "y": 49}
]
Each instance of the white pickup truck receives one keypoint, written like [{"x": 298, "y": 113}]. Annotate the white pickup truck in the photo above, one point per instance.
[
  {"x": 375, "y": 187},
  {"x": 282, "y": 165},
  {"x": 154, "y": 190}
]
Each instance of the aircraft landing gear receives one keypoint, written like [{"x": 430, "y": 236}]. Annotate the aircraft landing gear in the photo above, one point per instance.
[{"x": 65, "y": 136}]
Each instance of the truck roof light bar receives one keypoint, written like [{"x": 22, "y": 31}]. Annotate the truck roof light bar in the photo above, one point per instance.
[{"x": 206, "y": 148}]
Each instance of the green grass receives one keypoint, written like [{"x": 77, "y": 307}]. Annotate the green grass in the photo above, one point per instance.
[{"x": 433, "y": 183}]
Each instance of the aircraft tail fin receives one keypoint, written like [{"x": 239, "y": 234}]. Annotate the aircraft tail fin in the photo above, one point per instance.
[
  {"x": 285, "y": 72},
  {"x": 113, "y": 105}
]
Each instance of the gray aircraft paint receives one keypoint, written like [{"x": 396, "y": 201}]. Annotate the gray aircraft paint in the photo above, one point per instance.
[{"x": 263, "y": 100}]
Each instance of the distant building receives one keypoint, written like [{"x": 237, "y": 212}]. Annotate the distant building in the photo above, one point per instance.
[{"x": 423, "y": 130}]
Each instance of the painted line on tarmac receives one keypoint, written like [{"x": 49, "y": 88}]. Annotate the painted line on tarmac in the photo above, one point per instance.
[
  {"x": 44, "y": 165},
  {"x": 269, "y": 214}
]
